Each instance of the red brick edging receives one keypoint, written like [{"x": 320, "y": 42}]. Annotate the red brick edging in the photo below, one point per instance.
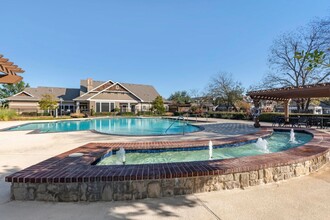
[{"x": 63, "y": 169}]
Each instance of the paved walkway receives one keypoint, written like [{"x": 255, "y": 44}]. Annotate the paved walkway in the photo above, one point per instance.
[{"x": 300, "y": 198}]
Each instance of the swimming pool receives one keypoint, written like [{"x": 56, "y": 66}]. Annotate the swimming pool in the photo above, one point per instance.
[
  {"x": 117, "y": 126},
  {"x": 278, "y": 141}
]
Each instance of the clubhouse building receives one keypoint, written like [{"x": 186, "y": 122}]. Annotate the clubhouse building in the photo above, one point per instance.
[{"x": 92, "y": 96}]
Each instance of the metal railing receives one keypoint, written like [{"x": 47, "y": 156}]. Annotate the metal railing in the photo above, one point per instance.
[{"x": 178, "y": 118}]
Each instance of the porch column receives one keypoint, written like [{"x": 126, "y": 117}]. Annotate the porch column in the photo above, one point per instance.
[
  {"x": 78, "y": 107},
  {"x": 286, "y": 110},
  {"x": 129, "y": 107},
  {"x": 256, "y": 113}
]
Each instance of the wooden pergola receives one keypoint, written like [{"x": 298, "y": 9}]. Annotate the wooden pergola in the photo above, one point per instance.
[
  {"x": 285, "y": 94},
  {"x": 9, "y": 71}
]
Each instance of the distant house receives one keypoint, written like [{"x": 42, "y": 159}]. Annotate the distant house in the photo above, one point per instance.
[
  {"x": 322, "y": 108},
  {"x": 97, "y": 96},
  {"x": 178, "y": 107},
  {"x": 27, "y": 100},
  {"x": 268, "y": 105},
  {"x": 325, "y": 108}
]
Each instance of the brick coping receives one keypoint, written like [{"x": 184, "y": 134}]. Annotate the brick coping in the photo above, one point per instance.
[{"x": 65, "y": 169}]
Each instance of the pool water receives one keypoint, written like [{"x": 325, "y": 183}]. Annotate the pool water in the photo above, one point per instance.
[
  {"x": 119, "y": 126},
  {"x": 278, "y": 141}
]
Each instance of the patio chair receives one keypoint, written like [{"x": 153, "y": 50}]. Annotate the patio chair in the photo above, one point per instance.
[
  {"x": 274, "y": 120},
  {"x": 294, "y": 122},
  {"x": 282, "y": 122},
  {"x": 315, "y": 121},
  {"x": 303, "y": 121},
  {"x": 279, "y": 121}
]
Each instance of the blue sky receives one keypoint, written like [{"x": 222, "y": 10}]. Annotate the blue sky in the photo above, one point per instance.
[{"x": 173, "y": 45}]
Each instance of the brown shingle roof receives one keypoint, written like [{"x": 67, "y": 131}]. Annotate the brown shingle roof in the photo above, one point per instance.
[
  {"x": 145, "y": 92},
  {"x": 67, "y": 94}
]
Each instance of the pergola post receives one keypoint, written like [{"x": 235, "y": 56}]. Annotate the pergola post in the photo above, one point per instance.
[
  {"x": 286, "y": 109},
  {"x": 255, "y": 114}
]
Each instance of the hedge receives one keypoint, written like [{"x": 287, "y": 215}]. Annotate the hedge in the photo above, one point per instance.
[
  {"x": 34, "y": 114},
  {"x": 126, "y": 113},
  {"x": 269, "y": 117},
  {"x": 104, "y": 113},
  {"x": 264, "y": 117}
]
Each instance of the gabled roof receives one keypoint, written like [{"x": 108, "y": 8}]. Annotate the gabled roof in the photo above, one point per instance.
[
  {"x": 144, "y": 93},
  {"x": 25, "y": 93},
  {"x": 147, "y": 93},
  {"x": 110, "y": 87},
  {"x": 67, "y": 94}
]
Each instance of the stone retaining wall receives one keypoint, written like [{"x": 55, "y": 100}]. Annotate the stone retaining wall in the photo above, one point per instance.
[{"x": 155, "y": 188}]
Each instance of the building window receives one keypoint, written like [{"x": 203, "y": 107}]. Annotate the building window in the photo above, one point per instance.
[
  {"x": 98, "y": 107},
  {"x": 105, "y": 107}
]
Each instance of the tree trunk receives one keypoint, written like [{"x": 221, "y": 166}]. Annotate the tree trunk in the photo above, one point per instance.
[
  {"x": 307, "y": 103},
  {"x": 302, "y": 103}
]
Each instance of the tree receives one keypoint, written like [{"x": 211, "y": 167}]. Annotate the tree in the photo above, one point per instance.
[
  {"x": 158, "y": 105},
  {"x": 180, "y": 97},
  {"x": 289, "y": 58},
  {"x": 48, "y": 102},
  {"x": 8, "y": 90},
  {"x": 224, "y": 90},
  {"x": 315, "y": 59}
]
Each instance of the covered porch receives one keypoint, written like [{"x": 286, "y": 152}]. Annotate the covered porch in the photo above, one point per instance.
[{"x": 107, "y": 106}]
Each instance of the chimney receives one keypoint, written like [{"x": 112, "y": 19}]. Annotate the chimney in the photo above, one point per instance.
[{"x": 89, "y": 84}]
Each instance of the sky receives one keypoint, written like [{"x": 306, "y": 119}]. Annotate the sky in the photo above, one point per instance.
[{"x": 172, "y": 45}]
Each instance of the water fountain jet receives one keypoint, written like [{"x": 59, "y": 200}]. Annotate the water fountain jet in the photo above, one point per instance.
[
  {"x": 210, "y": 150},
  {"x": 121, "y": 154},
  {"x": 292, "y": 137},
  {"x": 263, "y": 144}
]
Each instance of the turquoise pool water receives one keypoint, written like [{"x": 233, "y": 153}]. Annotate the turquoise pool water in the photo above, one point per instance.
[
  {"x": 278, "y": 141},
  {"x": 119, "y": 126}
]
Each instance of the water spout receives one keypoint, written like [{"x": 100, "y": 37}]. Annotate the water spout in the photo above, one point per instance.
[
  {"x": 263, "y": 145},
  {"x": 292, "y": 137},
  {"x": 121, "y": 155},
  {"x": 210, "y": 150}
]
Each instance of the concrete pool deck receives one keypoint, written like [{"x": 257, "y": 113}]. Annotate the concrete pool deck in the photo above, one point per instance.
[{"x": 301, "y": 198}]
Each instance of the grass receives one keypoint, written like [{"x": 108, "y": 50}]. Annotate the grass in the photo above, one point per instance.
[
  {"x": 7, "y": 114},
  {"x": 11, "y": 115}
]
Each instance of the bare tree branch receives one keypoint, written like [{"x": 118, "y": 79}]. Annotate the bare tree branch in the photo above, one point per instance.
[{"x": 286, "y": 68}]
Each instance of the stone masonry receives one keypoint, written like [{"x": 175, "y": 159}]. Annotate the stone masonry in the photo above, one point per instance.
[{"x": 155, "y": 188}]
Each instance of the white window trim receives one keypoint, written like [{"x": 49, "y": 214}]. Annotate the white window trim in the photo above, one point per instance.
[
  {"x": 107, "y": 100},
  {"x": 23, "y": 92},
  {"x": 115, "y": 84},
  {"x": 114, "y": 104},
  {"x": 97, "y": 87}
]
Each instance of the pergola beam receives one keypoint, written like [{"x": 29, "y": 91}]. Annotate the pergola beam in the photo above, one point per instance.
[
  {"x": 9, "y": 70},
  {"x": 285, "y": 94},
  {"x": 308, "y": 91},
  {"x": 9, "y": 79}
]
